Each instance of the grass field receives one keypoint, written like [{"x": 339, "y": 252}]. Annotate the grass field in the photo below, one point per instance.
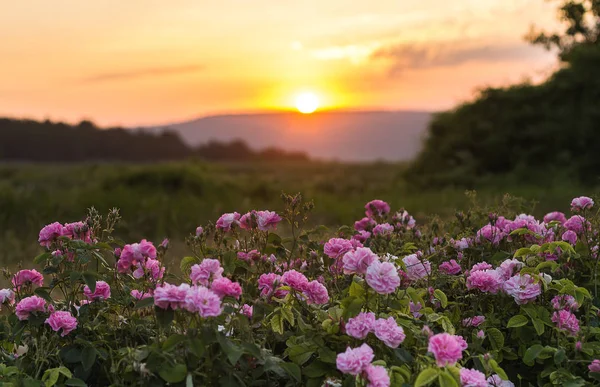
[{"x": 170, "y": 200}]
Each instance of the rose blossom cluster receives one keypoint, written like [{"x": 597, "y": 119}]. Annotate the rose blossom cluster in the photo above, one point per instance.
[
  {"x": 62, "y": 320},
  {"x": 523, "y": 288},
  {"x": 101, "y": 293},
  {"x": 566, "y": 321},
  {"x": 386, "y": 330},
  {"x": 262, "y": 220},
  {"x": 357, "y": 361},
  {"x": 27, "y": 278},
  {"x": 7, "y": 297},
  {"x": 447, "y": 349},
  {"x": 194, "y": 299},
  {"x": 133, "y": 256},
  {"x": 76, "y": 230},
  {"x": 313, "y": 292},
  {"x": 381, "y": 276}
]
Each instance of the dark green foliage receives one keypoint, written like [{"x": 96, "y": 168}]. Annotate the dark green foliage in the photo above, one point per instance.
[
  {"x": 530, "y": 132},
  {"x": 27, "y": 140}
]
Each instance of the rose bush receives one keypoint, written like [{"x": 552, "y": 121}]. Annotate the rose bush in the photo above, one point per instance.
[{"x": 488, "y": 299}]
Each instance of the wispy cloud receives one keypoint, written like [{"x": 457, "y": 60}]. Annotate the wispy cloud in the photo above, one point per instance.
[
  {"x": 421, "y": 56},
  {"x": 142, "y": 73},
  {"x": 355, "y": 53}
]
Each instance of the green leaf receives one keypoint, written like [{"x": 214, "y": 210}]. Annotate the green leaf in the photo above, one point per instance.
[
  {"x": 293, "y": 370},
  {"x": 426, "y": 377},
  {"x": 90, "y": 280},
  {"x": 42, "y": 258},
  {"x": 274, "y": 239},
  {"x": 172, "y": 342},
  {"x": 447, "y": 325},
  {"x": 43, "y": 292},
  {"x": 287, "y": 314},
  {"x": 164, "y": 316},
  {"x": 316, "y": 369},
  {"x": 173, "y": 374},
  {"x": 446, "y": 380},
  {"x": 186, "y": 264},
  {"x": 441, "y": 296},
  {"x": 75, "y": 382},
  {"x": 327, "y": 355},
  {"x": 277, "y": 324},
  {"x": 88, "y": 357},
  {"x": 497, "y": 369},
  {"x": 65, "y": 371},
  {"x": 496, "y": 338},
  {"x": 559, "y": 356},
  {"x": 531, "y": 354},
  {"x": 356, "y": 290},
  {"x": 517, "y": 321},
  {"x": 539, "y": 326},
  {"x": 50, "y": 377},
  {"x": 144, "y": 303},
  {"x": 197, "y": 347},
  {"x": 352, "y": 306},
  {"x": 403, "y": 355},
  {"x": 232, "y": 351},
  {"x": 300, "y": 354}
]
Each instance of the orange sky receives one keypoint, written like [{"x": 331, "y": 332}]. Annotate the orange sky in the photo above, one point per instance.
[{"x": 140, "y": 62}]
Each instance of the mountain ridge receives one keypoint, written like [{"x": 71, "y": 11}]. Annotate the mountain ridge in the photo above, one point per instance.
[{"x": 327, "y": 135}]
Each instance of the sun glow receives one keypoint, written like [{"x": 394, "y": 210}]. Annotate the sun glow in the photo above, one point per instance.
[{"x": 307, "y": 102}]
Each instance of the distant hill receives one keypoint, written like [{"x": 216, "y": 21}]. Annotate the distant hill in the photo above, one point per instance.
[{"x": 333, "y": 135}]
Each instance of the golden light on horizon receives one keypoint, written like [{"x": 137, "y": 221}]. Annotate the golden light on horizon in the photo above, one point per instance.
[{"x": 307, "y": 102}]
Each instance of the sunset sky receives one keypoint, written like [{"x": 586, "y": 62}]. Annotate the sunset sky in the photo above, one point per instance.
[{"x": 141, "y": 62}]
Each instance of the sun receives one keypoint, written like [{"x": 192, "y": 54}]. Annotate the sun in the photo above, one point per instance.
[{"x": 307, "y": 102}]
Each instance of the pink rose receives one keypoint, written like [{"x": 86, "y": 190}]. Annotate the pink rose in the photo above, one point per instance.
[
  {"x": 316, "y": 293},
  {"x": 487, "y": 281},
  {"x": 450, "y": 267},
  {"x": 49, "y": 233},
  {"x": 295, "y": 280},
  {"x": 382, "y": 277},
  {"x": 226, "y": 221},
  {"x": 581, "y": 203},
  {"x": 566, "y": 321},
  {"x": 168, "y": 295},
  {"x": 28, "y": 305},
  {"x": 337, "y": 247},
  {"x": 27, "y": 278},
  {"x": 209, "y": 269},
  {"x": 62, "y": 320},
  {"x": 203, "y": 301},
  {"x": 377, "y": 376},
  {"x": 446, "y": 348},
  {"x": 355, "y": 361},
  {"x": 267, "y": 220},
  {"x": 360, "y": 326},
  {"x": 388, "y": 331},
  {"x": 224, "y": 287},
  {"x": 595, "y": 366},
  {"x": 358, "y": 260},
  {"x": 523, "y": 288},
  {"x": 377, "y": 208},
  {"x": 102, "y": 291},
  {"x": 416, "y": 267},
  {"x": 472, "y": 378}
]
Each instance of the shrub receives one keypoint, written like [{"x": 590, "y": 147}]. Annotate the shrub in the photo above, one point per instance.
[{"x": 485, "y": 300}]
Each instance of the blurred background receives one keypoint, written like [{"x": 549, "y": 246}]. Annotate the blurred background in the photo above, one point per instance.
[{"x": 176, "y": 112}]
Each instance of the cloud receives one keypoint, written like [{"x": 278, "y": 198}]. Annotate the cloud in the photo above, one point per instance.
[
  {"x": 407, "y": 56},
  {"x": 143, "y": 73},
  {"x": 355, "y": 53}
]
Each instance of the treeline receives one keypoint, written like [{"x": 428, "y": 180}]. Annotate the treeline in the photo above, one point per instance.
[
  {"x": 28, "y": 140},
  {"x": 526, "y": 132}
]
